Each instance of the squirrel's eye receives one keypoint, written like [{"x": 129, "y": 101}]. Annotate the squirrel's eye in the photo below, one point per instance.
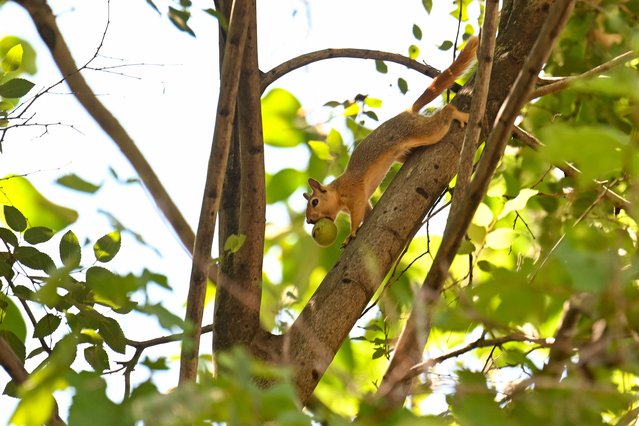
[{"x": 314, "y": 202}]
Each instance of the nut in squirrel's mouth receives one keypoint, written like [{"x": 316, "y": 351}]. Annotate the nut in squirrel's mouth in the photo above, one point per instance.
[{"x": 313, "y": 222}]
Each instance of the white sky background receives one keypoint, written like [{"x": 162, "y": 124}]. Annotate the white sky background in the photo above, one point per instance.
[{"x": 168, "y": 104}]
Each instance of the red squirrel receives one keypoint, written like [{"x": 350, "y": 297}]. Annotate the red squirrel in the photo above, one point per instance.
[{"x": 390, "y": 142}]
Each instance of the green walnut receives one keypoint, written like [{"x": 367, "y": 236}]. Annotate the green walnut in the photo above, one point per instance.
[{"x": 324, "y": 232}]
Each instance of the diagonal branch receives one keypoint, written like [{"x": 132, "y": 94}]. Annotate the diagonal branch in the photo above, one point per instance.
[
  {"x": 482, "y": 342},
  {"x": 233, "y": 54},
  {"x": 570, "y": 170},
  {"x": 270, "y": 76},
  {"x": 14, "y": 367},
  {"x": 44, "y": 20},
  {"x": 410, "y": 345},
  {"x": 553, "y": 85}
]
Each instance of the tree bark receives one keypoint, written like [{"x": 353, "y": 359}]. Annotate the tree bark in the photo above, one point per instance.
[{"x": 333, "y": 310}]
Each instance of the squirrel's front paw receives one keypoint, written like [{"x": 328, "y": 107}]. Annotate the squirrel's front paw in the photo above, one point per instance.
[{"x": 347, "y": 240}]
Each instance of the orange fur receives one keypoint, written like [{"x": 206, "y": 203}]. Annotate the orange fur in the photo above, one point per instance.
[
  {"x": 447, "y": 77},
  {"x": 390, "y": 142}
]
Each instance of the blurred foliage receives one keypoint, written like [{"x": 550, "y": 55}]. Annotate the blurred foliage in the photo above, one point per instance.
[{"x": 541, "y": 238}]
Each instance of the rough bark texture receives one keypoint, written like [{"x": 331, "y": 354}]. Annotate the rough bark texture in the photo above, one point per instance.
[
  {"x": 333, "y": 310},
  {"x": 237, "y": 305}
]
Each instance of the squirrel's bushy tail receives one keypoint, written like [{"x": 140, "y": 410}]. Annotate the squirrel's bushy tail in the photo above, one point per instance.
[{"x": 446, "y": 79}]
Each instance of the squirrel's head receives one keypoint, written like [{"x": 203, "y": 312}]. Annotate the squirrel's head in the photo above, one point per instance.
[{"x": 322, "y": 202}]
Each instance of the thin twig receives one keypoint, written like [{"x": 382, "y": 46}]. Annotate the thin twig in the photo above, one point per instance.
[
  {"x": 554, "y": 85},
  {"x": 482, "y": 342},
  {"x": 570, "y": 170},
  {"x": 45, "y": 21}
]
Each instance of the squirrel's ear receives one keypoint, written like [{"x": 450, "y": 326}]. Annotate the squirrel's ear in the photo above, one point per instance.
[
  {"x": 307, "y": 196},
  {"x": 315, "y": 185}
]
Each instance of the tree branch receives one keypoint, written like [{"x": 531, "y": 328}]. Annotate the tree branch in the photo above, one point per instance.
[
  {"x": 47, "y": 26},
  {"x": 482, "y": 342},
  {"x": 231, "y": 66},
  {"x": 570, "y": 170},
  {"x": 239, "y": 290},
  {"x": 270, "y": 76},
  {"x": 332, "y": 311},
  {"x": 14, "y": 367},
  {"x": 410, "y": 345},
  {"x": 553, "y": 85},
  {"x": 396, "y": 384}
]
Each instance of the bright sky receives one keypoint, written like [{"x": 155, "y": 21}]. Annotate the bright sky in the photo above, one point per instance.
[{"x": 166, "y": 98}]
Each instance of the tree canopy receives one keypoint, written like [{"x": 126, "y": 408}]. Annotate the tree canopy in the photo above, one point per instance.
[{"x": 496, "y": 280}]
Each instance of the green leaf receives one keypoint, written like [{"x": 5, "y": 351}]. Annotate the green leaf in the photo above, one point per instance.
[
  {"x": 12, "y": 319},
  {"x": 447, "y": 44},
  {"x": 180, "y": 19},
  {"x": 91, "y": 405},
  {"x": 33, "y": 258},
  {"x": 519, "y": 202},
  {"x": 321, "y": 150},
  {"x": 282, "y": 184},
  {"x": 372, "y": 102},
  {"x": 8, "y": 237},
  {"x": 6, "y": 265},
  {"x": 158, "y": 364},
  {"x": 234, "y": 243},
  {"x": 381, "y": 66},
  {"x": 15, "y": 343},
  {"x": 282, "y": 124},
  {"x": 73, "y": 181},
  {"x": 97, "y": 358},
  {"x": 46, "y": 326},
  {"x": 20, "y": 193},
  {"x": 38, "y": 234},
  {"x": 112, "y": 334},
  {"x": 28, "y": 60},
  {"x": 111, "y": 289},
  {"x": 598, "y": 151},
  {"x": 413, "y": 51},
  {"x": 107, "y": 247},
  {"x": 219, "y": 16},
  {"x": 417, "y": 32},
  {"x": 501, "y": 238},
  {"x": 15, "y": 219},
  {"x": 13, "y": 59},
  {"x": 428, "y": 5},
  {"x": 15, "y": 88},
  {"x": 166, "y": 318},
  {"x": 403, "y": 85},
  {"x": 70, "y": 251}
]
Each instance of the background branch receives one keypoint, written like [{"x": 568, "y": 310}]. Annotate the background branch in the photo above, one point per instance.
[
  {"x": 570, "y": 170},
  {"x": 14, "y": 367},
  {"x": 554, "y": 85},
  {"x": 45, "y": 22},
  {"x": 270, "y": 76},
  {"x": 410, "y": 345},
  {"x": 231, "y": 66}
]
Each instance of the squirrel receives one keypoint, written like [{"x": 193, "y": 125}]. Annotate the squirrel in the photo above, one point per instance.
[{"x": 391, "y": 142}]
